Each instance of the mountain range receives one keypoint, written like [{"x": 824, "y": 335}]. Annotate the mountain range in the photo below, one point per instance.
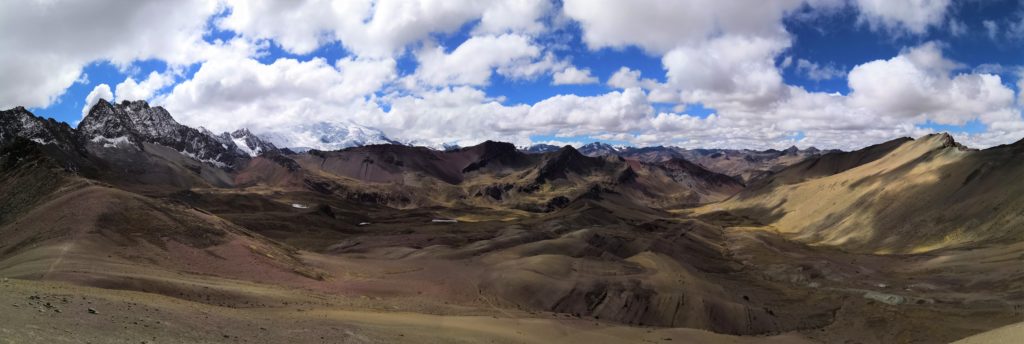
[
  {"x": 149, "y": 220},
  {"x": 743, "y": 164}
]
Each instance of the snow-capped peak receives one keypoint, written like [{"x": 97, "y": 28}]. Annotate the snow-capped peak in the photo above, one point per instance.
[
  {"x": 326, "y": 136},
  {"x": 598, "y": 149}
]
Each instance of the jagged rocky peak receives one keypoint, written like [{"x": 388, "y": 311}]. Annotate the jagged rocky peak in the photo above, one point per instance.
[
  {"x": 945, "y": 140},
  {"x": 244, "y": 132},
  {"x": 16, "y": 117},
  {"x": 250, "y": 143},
  {"x": 138, "y": 123},
  {"x": 134, "y": 120},
  {"x": 17, "y": 110},
  {"x": 19, "y": 122}
]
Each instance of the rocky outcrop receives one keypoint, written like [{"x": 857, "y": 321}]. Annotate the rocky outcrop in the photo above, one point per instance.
[{"x": 138, "y": 123}]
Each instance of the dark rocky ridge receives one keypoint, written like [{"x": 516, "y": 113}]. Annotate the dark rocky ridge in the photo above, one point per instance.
[
  {"x": 19, "y": 122},
  {"x": 139, "y": 123},
  {"x": 567, "y": 159}
]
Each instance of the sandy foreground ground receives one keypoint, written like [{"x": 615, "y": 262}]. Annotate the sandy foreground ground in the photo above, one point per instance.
[
  {"x": 56, "y": 312},
  {"x": 1010, "y": 334}
]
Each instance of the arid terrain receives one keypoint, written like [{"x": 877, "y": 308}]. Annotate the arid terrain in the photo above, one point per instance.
[{"x": 133, "y": 228}]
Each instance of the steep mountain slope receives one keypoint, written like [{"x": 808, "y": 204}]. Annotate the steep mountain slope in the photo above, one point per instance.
[
  {"x": 28, "y": 176},
  {"x": 915, "y": 196},
  {"x": 705, "y": 186},
  {"x": 828, "y": 164},
  {"x": 387, "y": 163},
  {"x": 59, "y": 142},
  {"x": 56, "y": 225}
]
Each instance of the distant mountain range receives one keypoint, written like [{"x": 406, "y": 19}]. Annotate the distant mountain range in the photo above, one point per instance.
[
  {"x": 136, "y": 145},
  {"x": 743, "y": 164},
  {"x": 136, "y": 123}
]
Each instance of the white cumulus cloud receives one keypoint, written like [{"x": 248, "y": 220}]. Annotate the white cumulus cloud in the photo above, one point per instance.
[
  {"x": 573, "y": 76},
  {"x": 129, "y": 89},
  {"x": 473, "y": 62},
  {"x": 915, "y": 16},
  {"x": 47, "y": 43},
  {"x": 920, "y": 82},
  {"x": 101, "y": 91}
]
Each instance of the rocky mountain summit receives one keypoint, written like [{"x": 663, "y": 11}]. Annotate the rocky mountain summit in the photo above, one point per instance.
[
  {"x": 19, "y": 122},
  {"x": 137, "y": 123},
  {"x": 245, "y": 140}
]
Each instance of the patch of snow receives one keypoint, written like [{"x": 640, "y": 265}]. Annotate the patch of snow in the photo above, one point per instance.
[
  {"x": 444, "y": 146},
  {"x": 240, "y": 142},
  {"x": 300, "y": 206},
  {"x": 364, "y": 223},
  {"x": 112, "y": 142},
  {"x": 444, "y": 221},
  {"x": 208, "y": 161},
  {"x": 40, "y": 141}
]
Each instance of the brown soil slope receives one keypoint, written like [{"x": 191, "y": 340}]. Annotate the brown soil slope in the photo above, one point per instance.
[{"x": 51, "y": 218}]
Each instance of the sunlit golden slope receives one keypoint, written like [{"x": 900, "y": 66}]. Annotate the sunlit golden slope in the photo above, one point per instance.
[{"x": 921, "y": 195}]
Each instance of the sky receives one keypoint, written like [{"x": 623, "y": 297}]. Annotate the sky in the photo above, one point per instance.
[{"x": 691, "y": 73}]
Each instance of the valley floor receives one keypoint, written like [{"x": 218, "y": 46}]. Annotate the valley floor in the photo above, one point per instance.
[{"x": 592, "y": 274}]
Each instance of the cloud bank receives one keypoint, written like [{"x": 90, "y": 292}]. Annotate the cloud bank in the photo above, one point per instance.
[{"x": 423, "y": 70}]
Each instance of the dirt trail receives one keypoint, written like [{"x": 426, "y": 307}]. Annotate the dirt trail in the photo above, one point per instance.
[{"x": 60, "y": 257}]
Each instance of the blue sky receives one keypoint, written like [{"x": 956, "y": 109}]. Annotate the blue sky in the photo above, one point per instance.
[{"x": 819, "y": 46}]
